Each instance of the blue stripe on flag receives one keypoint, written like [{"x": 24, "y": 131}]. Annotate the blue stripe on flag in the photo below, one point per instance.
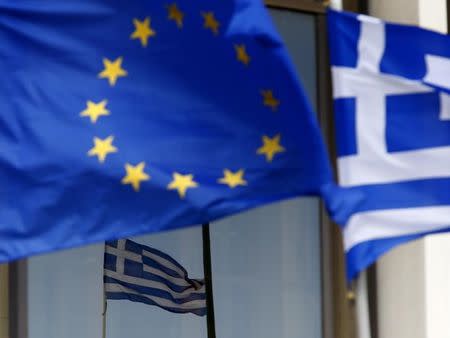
[
  {"x": 156, "y": 292},
  {"x": 151, "y": 262},
  {"x": 419, "y": 193},
  {"x": 110, "y": 262},
  {"x": 345, "y": 122},
  {"x": 136, "y": 270},
  {"x": 411, "y": 43},
  {"x": 141, "y": 299},
  {"x": 419, "y": 114},
  {"x": 343, "y": 25},
  {"x": 363, "y": 255}
]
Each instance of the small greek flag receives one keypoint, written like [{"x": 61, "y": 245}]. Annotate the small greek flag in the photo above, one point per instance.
[{"x": 142, "y": 274}]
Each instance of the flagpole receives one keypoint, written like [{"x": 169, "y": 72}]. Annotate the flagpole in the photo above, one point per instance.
[
  {"x": 210, "y": 320},
  {"x": 105, "y": 304}
]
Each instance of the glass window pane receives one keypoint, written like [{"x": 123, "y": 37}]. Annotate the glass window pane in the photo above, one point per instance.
[
  {"x": 65, "y": 294},
  {"x": 299, "y": 34},
  {"x": 266, "y": 272}
]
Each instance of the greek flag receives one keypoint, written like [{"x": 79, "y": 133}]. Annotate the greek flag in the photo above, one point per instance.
[
  {"x": 142, "y": 274},
  {"x": 392, "y": 115}
]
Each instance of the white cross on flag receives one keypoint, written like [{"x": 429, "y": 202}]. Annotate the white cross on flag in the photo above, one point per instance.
[{"x": 391, "y": 86}]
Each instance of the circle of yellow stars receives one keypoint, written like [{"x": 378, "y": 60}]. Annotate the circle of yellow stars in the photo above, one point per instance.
[{"x": 113, "y": 70}]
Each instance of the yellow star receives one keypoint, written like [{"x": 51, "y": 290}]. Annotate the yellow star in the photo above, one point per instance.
[
  {"x": 175, "y": 14},
  {"x": 233, "y": 179},
  {"x": 95, "y": 110},
  {"x": 182, "y": 183},
  {"x": 271, "y": 147},
  {"x": 241, "y": 54},
  {"x": 113, "y": 70},
  {"x": 270, "y": 100},
  {"x": 102, "y": 148},
  {"x": 211, "y": 22},
  {"x": 135, "y": 175},
  {"x": 143, "y": 31}
]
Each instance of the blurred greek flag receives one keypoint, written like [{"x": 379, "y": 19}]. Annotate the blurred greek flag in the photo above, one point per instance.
[
  {"x": 142, "y": 274},
  {"x": 391, "y": 86}
]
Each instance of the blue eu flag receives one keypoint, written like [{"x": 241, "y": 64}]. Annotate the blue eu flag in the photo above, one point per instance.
[{"x": 119, "y": 118}]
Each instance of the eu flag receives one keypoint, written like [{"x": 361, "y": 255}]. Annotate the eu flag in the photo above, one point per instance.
[{"x": 123, "y": 117}]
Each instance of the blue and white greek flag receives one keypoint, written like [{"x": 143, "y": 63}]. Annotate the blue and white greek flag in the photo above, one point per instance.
[
  {"x": 142, "y": 274},
  {"x": 392, "y": 115}
]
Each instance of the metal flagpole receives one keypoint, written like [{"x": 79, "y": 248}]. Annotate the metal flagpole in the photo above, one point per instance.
[
  {"x": 362, "y": 307},
  {"x": 210, "y": 320},
  {"x": 105, "y": 305}
]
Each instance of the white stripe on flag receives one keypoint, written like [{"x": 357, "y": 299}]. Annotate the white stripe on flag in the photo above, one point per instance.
[
  {"x": 379, "y": 224},
  {"x": 191, "y": 305},
  {"x": 120, "y": 261},
  {"x": 164, "y": 262},
  {"x": 438, "y": 70},
  {"x": 386, "y": 168},
  {"x": 371, "y": 43},
  {"x": 152, "y": 284}
]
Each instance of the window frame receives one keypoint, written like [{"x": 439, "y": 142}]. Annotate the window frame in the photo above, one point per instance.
[
  {"x": 448, "y": 16},
  {"x": 308, "y": 6},
  {"x": 18, "y": 295},
  {"x": 338, "y": 307}
]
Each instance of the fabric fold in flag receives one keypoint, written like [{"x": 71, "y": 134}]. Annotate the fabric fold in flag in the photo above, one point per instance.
[
  {"x": 142, "y": 274},
  {"x": 119, "y": 118},
  {"x": 391, "y": 110}
]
